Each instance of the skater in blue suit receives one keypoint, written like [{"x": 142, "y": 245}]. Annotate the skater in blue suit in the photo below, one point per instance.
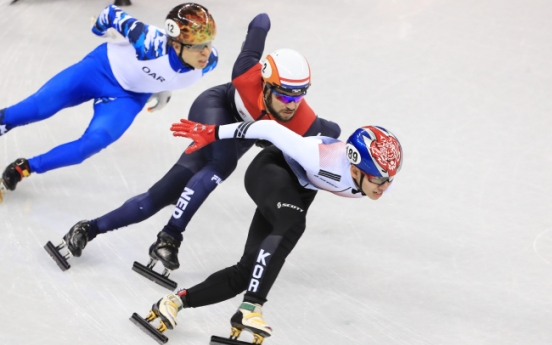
[{"x": 120, "y": 77}]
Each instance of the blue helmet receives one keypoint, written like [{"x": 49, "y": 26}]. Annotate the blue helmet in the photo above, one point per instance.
[{"x": 375, "y": 151}]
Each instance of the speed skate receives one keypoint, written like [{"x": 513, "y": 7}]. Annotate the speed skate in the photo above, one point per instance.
[
  {"x": 54, "y": 251},
  {"x": 3, "y": 190},
  {"x": 145, "y": 325},
  {"x": 234, "y": 340},
  {"x": 159, "y": 278}
]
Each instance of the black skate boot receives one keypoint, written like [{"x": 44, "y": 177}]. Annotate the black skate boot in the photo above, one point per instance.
[
  {"x": 3, "y": 127},
  {"x": 77, "y": 238},
  {"x": 165, "y": 249},
  {"x": 13, "y": 174},
  {"x": 75, "y": 241}
]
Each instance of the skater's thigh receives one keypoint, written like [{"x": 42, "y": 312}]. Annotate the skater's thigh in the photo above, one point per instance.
[
  {"x": 114, "y": 116},
  {"x": 66, "y": 89},
  {"x": 167, "y": 190},
  {"x": 274, "y": 188}
]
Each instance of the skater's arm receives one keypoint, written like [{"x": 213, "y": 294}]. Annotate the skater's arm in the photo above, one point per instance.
[
  {"x": 148, "y": 41},
  {"x": 303, "y": 150},
  {"x": 323, "y": 127},
  {"x": 253, "y": 47}
]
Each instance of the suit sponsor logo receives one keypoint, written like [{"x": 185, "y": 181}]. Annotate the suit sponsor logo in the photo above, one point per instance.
[
  {"x": 281, "y": 204},
  {"x": 217, "y": 179}
]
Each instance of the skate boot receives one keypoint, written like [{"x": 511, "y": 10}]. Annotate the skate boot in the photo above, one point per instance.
[
  {"x": 75, "y": 241},
  {"x": 165, "y": 249},
  {"x": 166, "y": 309},
  {"x": 250, "y": 317},
  {"x": 13, "y": 174},
  {"x": 3, "y": 127}
]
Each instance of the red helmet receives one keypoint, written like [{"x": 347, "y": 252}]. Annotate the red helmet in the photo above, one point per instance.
[{"x": 190, "y": 23}]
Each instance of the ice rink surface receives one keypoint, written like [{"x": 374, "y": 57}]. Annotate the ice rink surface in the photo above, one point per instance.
[{"x": 458, "y": 252}]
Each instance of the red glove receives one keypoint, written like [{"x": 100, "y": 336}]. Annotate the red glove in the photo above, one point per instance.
[{"x": 201, "y": 134}]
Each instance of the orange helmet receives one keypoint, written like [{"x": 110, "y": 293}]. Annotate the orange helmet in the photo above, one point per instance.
[{"x": 190, "y": 23}]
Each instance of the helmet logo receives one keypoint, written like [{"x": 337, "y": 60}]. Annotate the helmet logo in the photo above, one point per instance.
[
  {"x": 172, "y": 28},
  {"x": 387, "y": 153},
  {"x": 352, "y": 154}
]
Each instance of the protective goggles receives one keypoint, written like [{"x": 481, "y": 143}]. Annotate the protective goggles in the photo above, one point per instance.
[
  {"x": 198, "y": 47},
  {"x": 378, "y": 180},
  {"x": 287, "y": 98}
]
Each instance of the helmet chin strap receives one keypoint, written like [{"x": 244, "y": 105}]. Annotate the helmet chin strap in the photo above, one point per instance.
[
  {"x": 268, "y": 100},
  {"x": 180, "y": 55},
  {"x": 359, "y": 185}
]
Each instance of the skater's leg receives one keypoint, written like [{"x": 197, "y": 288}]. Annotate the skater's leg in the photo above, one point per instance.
[
  {"x": 111, "y": 119},
  {"x": 221, "y": 159},
  {"x": 284, "y": 203},
  {"x": 85, "y": 80},
  {"x": 139, "y": 208},
  {"x": 65, "y": 89},
  {"x": 233, "y": 280}
]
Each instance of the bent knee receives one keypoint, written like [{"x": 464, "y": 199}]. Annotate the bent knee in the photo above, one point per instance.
[
  {"x": 224, "y": 167},
  {"x": 93, "y": 142}
]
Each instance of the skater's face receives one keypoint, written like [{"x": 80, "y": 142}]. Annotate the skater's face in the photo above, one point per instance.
[
  {"x": 372, "y": 190},
  {"x": 282, "y": 105},
  {"x": 196, "y": 56}
]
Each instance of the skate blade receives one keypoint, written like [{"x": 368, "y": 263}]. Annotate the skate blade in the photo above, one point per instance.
[
  {"x": 226, "y": 341},
  {"x": 149, "y": 329},
  {"x": 154, "y": 276},
  {"x": 3, "y": 190},
  {"x": 58, "y": 258}
]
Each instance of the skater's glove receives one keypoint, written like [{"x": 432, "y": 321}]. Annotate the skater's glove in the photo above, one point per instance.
[
  {"x": 161, "y": 99},
  {"x": 201, "y": 134},
  {"x": 103, "y": 31}
]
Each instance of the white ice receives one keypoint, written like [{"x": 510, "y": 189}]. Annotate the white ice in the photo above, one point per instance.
[{"x": 458, "y": 252}]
